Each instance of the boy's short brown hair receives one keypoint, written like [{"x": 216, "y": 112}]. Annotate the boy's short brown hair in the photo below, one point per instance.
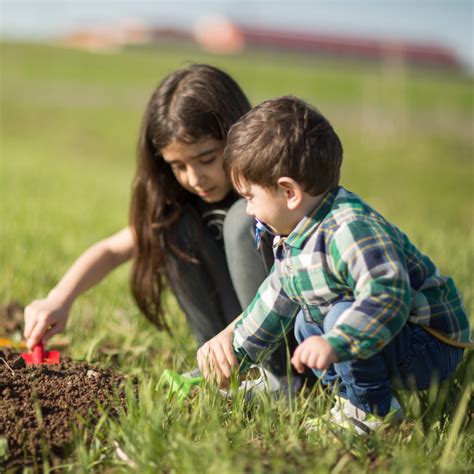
[{"x": 284, "y": 137}]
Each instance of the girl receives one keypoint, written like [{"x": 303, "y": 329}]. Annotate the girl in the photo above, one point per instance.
[{"x": 188, "y": 229}]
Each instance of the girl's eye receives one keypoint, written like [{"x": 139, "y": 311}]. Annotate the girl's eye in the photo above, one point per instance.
[
  {"x": 208, "y": 161},
  {"x": 178, "y": 167}
]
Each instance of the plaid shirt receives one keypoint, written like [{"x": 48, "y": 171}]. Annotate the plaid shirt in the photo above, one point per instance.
[{"x": 345, "y": 251}]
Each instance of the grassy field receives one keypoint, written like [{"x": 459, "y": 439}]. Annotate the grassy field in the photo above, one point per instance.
[{"x": 69, "y": 124}]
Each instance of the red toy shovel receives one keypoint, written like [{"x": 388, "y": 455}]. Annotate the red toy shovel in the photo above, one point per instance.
[{"x": 40, "y": 356}]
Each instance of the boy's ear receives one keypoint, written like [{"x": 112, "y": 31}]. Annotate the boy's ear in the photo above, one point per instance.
[{"x": 292, "y": 191}]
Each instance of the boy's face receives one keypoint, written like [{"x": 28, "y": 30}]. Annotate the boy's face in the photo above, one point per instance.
[{"x": 268, "y": 206}]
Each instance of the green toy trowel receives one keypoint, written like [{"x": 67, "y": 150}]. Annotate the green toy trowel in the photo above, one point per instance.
[{"x": 178, "y": 384}]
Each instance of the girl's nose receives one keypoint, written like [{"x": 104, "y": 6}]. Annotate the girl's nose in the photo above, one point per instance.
[{"x": 195, "y": 178}]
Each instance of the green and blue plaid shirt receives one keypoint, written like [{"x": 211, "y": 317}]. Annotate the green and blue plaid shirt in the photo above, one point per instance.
[{"x": 346, "y": 251}]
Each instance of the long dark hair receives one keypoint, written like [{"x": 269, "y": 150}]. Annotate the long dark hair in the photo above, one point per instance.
[{"x": 190, "y": 105}]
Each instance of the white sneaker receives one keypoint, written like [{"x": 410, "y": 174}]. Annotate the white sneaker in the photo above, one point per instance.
[
  {"x": 345, "y": 415},
  {"x": 192, "y": 374},
  {"x": 260, "y": 380}
]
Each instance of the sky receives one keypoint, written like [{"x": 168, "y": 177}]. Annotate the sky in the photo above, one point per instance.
[{"x": 448, "y": 23}]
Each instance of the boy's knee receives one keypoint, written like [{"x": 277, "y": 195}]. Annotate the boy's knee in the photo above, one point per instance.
[
  {"x": 299, "y": 327},
  {"x": 237, "y": 223},
  {"x": 334, "y": 314},
  {"x": 304, "y": 329}
]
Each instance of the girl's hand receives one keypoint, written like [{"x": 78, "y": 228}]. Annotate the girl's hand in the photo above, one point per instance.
[
  {"x": 315, "y": 353},
  {"x": 216, "y": 357},
  {"x": 43, "y": 319}
]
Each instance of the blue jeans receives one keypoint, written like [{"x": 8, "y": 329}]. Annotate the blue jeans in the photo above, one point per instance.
[{"x": 412, "y": 360}]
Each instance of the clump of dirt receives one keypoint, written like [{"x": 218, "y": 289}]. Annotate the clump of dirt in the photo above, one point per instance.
[{"x": 41, "y": 404}]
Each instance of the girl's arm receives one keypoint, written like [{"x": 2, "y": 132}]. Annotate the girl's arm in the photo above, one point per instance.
[{"x": 48, "y": 316}]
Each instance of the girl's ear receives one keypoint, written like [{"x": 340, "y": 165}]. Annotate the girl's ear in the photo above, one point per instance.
[{"x": 292, "y": 192}]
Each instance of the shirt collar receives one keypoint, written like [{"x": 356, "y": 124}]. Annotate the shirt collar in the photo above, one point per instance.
[{"x": 309, "y": 223}]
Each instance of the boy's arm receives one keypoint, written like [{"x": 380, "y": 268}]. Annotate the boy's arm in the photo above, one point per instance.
[
  {"x": 368, "y": 256},
  {"x": 251, "y": 336},
  {"x": 264, "y": 323}
]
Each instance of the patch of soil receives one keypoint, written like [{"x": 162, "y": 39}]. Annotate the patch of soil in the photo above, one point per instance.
[
  {"x": 11, "y": 318},
  {"x": 41, "y": 404}
]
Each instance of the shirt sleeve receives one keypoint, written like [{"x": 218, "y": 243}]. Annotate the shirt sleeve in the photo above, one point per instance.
[
  {"x": 264, "y": 323},
  {"x": 368, "y": 256}
]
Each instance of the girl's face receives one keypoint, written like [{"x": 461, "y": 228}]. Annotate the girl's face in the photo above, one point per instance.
[{"x": 198, "y": 167}]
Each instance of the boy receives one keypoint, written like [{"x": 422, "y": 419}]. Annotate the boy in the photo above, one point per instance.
[{"x": 365, "y": 305}]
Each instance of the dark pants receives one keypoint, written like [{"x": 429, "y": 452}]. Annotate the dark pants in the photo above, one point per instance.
[
  {"x": 412, "y": 360},
  {"x": 215, "y": 289}
]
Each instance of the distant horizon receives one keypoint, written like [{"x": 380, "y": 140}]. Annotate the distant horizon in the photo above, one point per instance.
[{"x": 445, "y": 24}]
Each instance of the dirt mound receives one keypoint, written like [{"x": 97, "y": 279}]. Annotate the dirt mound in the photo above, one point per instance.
[{"x": 40, "y": 405}]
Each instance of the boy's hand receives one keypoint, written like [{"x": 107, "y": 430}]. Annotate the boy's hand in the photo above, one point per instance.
[
  {"x": 216, "y": 358},
  {"x": 315, "y": 353}
]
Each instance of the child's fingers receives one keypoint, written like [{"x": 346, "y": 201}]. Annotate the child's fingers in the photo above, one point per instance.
[
  {"x": 37, "y": 333},
  {"x": 225, "y": 358},
  {"x": 216, "y": 359},
  {"x": 203, "y": 360},
  {"x": 304, "y": 356},
  {"x": 312, "y": 361},
  {"x": 30, "y": 320},
  {"x": 296, "y": 360},
  {"x": 29, "y": 327},
  {"x": 230, "y": 355},
  {"x": 217, "y": 370},
  {"x": 323, "y": 362},
  {"x": 205, "y": 368},
  {"x": 207, "y": 362},
  {"x": 36, "y": 324},
  {"x": 220, "y": 357},
  {"x": 298, "y": 365}
]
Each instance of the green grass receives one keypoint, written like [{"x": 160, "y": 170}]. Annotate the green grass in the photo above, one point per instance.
[{"x": 69, "y": 124}]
